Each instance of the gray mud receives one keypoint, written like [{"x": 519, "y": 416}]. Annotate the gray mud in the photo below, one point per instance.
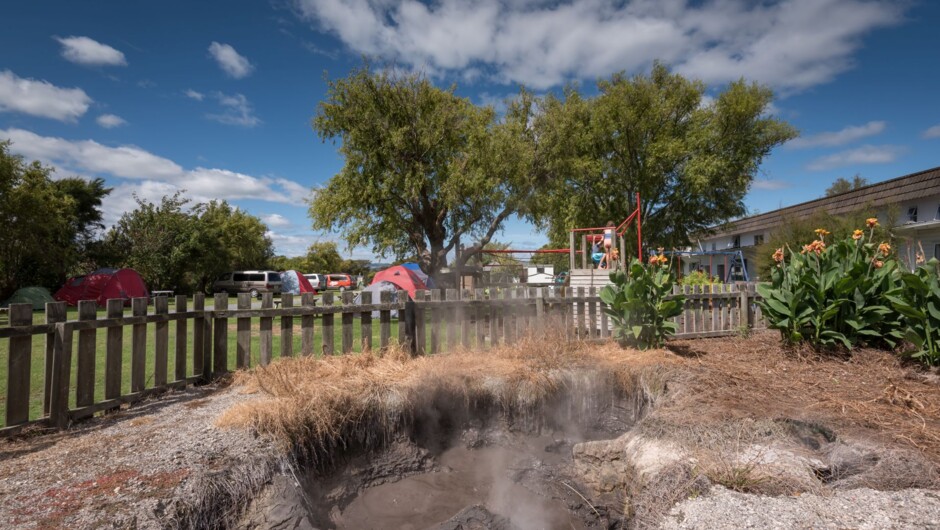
[{"x": 518, "y": 484}]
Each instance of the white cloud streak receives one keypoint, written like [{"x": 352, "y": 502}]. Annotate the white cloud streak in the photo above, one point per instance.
[
  {"x": 89, "y": 52},
  {"x": 148, "y": 175},
  {"x": 41, "y": 98},
  {"x": 770, "y": 185},
  {"x": 789, "y": 44},
  {"x": 230, "y": 61},
  {"x": 932, "y": 132},
  {"x": 844, "y": 136},
  {"x": 236, "y": 110},
  {"x": 275, "y": 220},
  {"x": 110, "y": 121},
  {"x": 866, "y": 154},
  {"x": 192, "y": 94}
]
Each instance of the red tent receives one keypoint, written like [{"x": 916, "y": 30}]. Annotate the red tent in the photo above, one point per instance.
[
  {"x": 403, "y": 277},
  {"x": 103, "y": 285}
]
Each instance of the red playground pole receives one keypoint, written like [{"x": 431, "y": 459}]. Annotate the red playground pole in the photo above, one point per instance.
[{"x": 639, "y": 233}]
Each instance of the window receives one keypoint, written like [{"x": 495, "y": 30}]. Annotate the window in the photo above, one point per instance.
[
  {"x": 912, "y": 214},
  {"x": 938, "y": 212},
  {"x": 274, "y": 277},
  {"x": 736, "y": 242},
  {"x": 714, "y": 246},
  {"x": 240, "y": 277},
  {"x": 936, "y": 251},
  {"x": 758, "y": 239}
]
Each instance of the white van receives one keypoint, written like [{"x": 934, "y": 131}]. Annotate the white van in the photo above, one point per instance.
[
  {"x": 252, "y": 282},
  {"x": 317, "y": 281}
]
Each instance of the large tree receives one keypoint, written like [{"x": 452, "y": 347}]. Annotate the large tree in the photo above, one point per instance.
[
  {"x": 237, "y": 239},
  {"x": 691, "y": 160},
  {"x": 841, "y": 185},
  {"x": 423, "y": 167}
]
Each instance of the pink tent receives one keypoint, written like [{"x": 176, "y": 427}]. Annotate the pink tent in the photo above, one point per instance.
[{"x": 103, "y": 285}]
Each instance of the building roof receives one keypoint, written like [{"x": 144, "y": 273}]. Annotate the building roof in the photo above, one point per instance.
[{"x": 901, "y": 189}]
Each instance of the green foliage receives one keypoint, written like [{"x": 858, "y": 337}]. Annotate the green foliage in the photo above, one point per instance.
[
  {"x": 700, "y": 278},
  {"x": 793, "y": 233},
  {"x": 636, "y": 302},
  {"x": 47, "y": 224},
  {"x": 691, "y": 163},
  {"x": 841, "y": 185},
  {"x": 920, "y": 304},
  {"x": 835, "y": 295},
  {"x": 423, "y": 166},
  {"x": 173, "y": 248}
]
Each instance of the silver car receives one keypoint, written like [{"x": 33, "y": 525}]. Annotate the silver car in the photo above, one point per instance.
[{"x": 252, "y": 282}]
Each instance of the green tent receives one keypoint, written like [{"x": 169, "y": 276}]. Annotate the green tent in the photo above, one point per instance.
[{"x": 38, "y": 296}]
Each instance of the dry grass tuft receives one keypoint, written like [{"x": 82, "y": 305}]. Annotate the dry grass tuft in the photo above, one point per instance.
[{"x": 319, "y": 405}]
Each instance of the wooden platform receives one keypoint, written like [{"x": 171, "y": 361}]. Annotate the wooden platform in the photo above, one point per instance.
[{"x": 588, "y": 278}]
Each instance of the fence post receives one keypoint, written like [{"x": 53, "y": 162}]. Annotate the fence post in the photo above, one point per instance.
[
  {"x": 400, "y": 301},
  {"x": 411, "y": 335},
  {"x": 365, "y": 321},
  {"x": 55, "y": 313},
  {"x": 307, "y": 300},
  {"x": 385, "y": 319},
  {"x": 266, "y": 331},
  {"x": 61, "y": 371},
  {"x": 745, "y": 308},
  {"x": 139, "y": 346},
  {"x": 346, "y": 334},
  {"x": 326, "y": 327},
  {"x": 85, "y": 373},
  {"x": 243, "y": 333},
  {"x": 114, "y": 352},
  {"x": 19, "y": 366},
  {"x": 161, "y": 341},
  {"x": 181, "y": 341},
  {"x": 287, "y": 326},
  {"x": 220, "y": 334},
  {"x": 419, "y": 312}
]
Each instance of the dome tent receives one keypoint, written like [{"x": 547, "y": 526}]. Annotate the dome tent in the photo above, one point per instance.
[
  {"x": 294, "y": 282},
  {"x": 415, "y": 268},
  {"x": 103, "y": 285},
  {"x": 38, "y": 296},
  {"x": 401, "y": 276},
  {"x": 377, "y": 289}
]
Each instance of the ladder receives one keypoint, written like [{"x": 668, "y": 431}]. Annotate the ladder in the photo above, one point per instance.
[{"x": 736, "y": 267}]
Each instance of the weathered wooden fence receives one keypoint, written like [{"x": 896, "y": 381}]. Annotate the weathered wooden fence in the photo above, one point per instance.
[{"x": 64, "y": 370}]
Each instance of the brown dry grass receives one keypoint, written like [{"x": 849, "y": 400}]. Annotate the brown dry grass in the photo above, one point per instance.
[
  {"x": 871, "y": 393},
  {"x": 330, "y": 401}
]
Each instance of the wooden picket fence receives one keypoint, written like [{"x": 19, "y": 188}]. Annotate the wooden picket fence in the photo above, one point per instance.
[{"x": 436, "y": 321}]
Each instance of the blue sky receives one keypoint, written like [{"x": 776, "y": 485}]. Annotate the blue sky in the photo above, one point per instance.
[{"x": 216, "y": 97}]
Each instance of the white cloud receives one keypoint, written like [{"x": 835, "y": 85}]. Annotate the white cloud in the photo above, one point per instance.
[
  {"x": 236, "y": 110},
  {"x": 933, "y": 132},
  {"x": 291, "y": 245},
  {"x": 789, "y": 44},
  {"x": 841, "y": 137},
  {"x": 149, "y": 175},
  {"x": 41, "y": 98},
  {"x": 110, "y": 121},
  {"x": 230, "y": 61},
  {"x": 89, "y": 52},
  {"x": 192, "y": 94},
  {"x": 770, "y": 185},
  {"x": 275, "y": 220},
  {"x": 866, "y": 154}
]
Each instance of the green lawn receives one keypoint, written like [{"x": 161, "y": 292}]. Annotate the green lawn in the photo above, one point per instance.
[{"x": 39, "y": 345}]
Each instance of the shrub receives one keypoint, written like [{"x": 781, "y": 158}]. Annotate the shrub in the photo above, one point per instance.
[
  {"x": 636, "y": 302},
  {"x": 698, "y": 278},
  {"x": 920, "y": 304},
  {"x": 828, "y": 295}
]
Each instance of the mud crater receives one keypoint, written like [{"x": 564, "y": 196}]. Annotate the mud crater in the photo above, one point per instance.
[{"x": 458, "y": 465}]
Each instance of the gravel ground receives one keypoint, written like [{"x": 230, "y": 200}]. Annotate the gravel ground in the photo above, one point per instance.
[
  {"x": 127, "y": 469},
  {"x": 862, "y": 509}
]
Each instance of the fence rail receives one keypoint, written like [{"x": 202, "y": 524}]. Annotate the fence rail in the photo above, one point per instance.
[{"x": 63, "y": 370}]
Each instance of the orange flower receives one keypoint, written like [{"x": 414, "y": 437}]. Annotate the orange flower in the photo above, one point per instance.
[
  {"x": 778, "y": 255},
  {"x": 878, "y": 264},
  {"x": 871, "y": 222},
  {"x": 816, "y": 246},
  {"x": 885, "y": 249},
  {"x": 920, "y": 258},
  {"x": 821, "y": 232},
  {"x": 858, "y": 234}
]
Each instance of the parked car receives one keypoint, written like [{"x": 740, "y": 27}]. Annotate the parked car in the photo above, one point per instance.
[
  {"x": 339, "y": 282},
  {"x": 317, "y": 281},
  {"x": 252, "y": 282}
]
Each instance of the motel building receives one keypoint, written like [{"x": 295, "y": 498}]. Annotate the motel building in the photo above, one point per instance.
[{"x": 909, "y": 205}]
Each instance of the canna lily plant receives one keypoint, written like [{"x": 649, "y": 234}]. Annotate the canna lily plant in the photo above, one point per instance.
[
  {"x": 637, "y": 304},
  {"x": 837, "y": 293}
]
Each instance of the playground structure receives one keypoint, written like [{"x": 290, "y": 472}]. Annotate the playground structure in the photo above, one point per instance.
[
  {"x": 730, "y": 265},
  {"x": 591, "y": 235}
]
